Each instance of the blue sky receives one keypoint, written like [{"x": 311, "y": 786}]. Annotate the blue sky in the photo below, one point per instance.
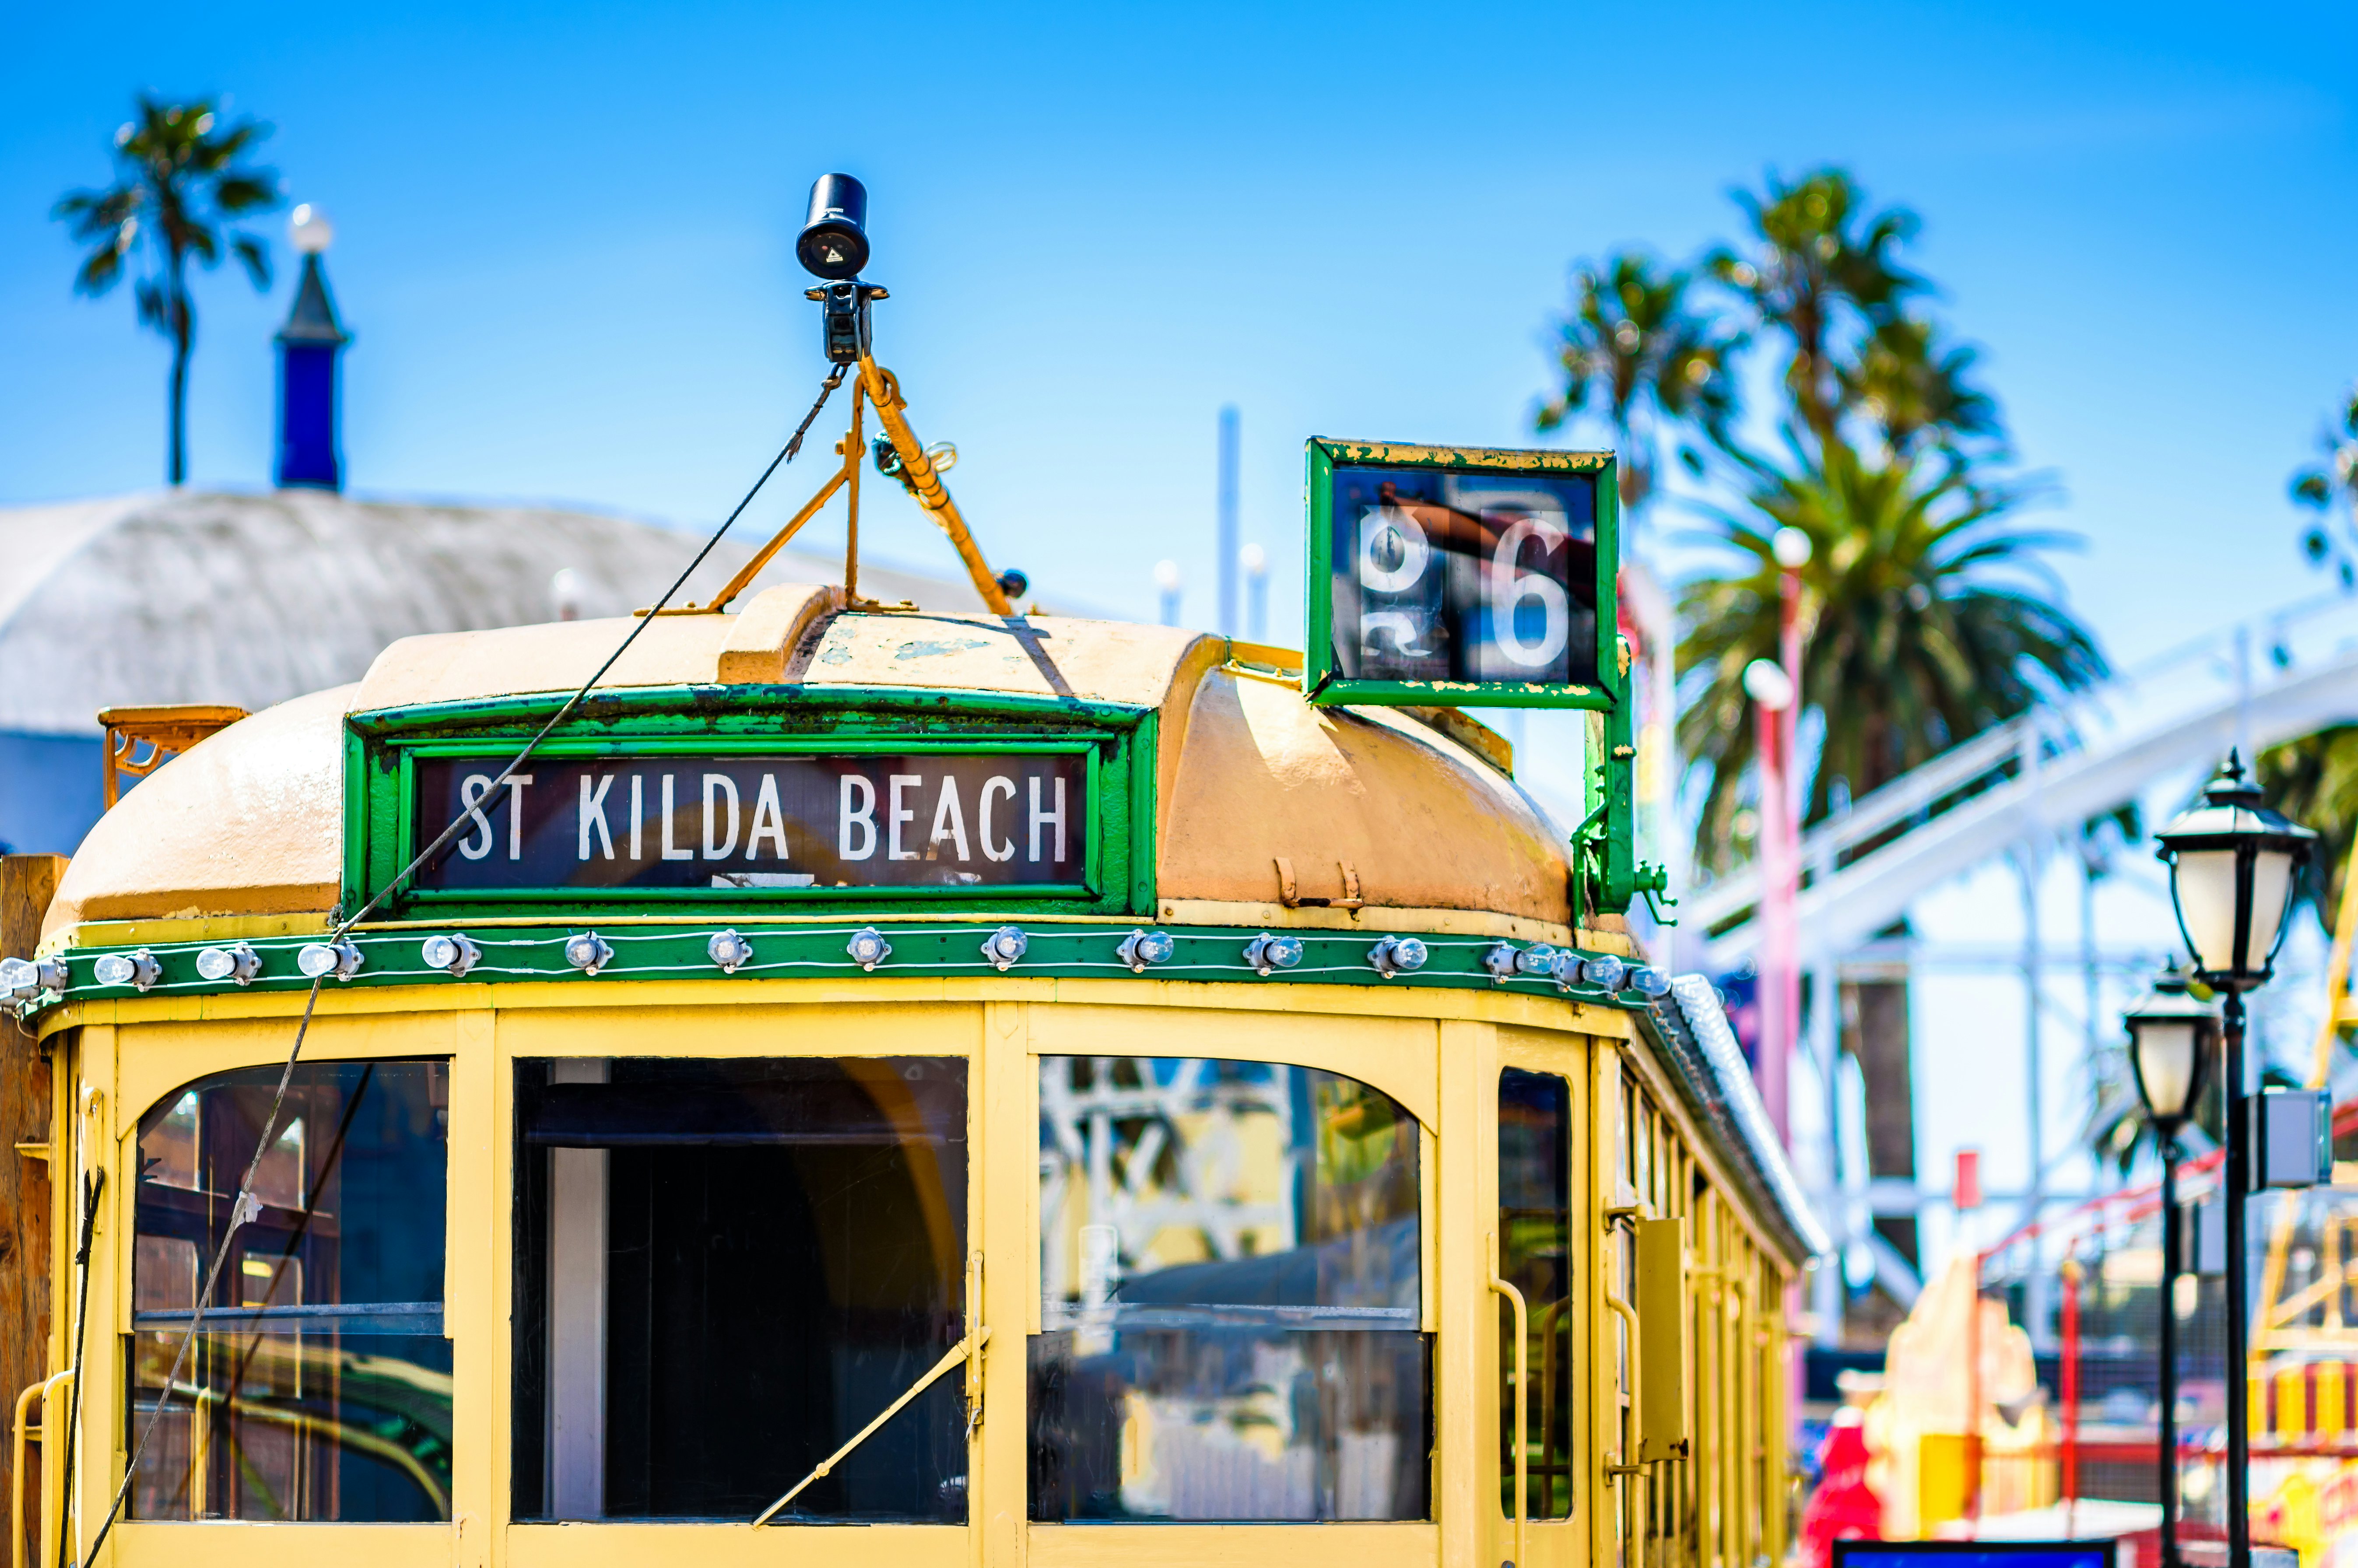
[{"x": 564, "y": 243}]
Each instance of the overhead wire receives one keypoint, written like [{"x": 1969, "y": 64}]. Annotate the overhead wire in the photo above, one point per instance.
[{"x": 245, "y": 1207}]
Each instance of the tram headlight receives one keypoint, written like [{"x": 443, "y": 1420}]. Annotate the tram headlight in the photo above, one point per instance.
[
  {"x": 1266, "y": 952},
  {"x": 868, "y": 947},
  {"x": 1604, "y": 971},
  {"x": 588, "y": 952},
  {"x": 728, "y": 950},
  {"x": 139, "y": 969},
  {"x": 1396, "y": 956},
  {"x": 451, "y": 950},
  {"x": 341, "y": 959},
  {"x": 1005, "y": 945},
  {"x": 237, "y": 962},
  {"x": 1140, "y": 948},
  {"x": 834, "y": 241}
]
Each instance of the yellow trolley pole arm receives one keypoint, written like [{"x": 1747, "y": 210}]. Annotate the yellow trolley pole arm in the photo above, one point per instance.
[
  {"x": 885, "y": 393},
  {"x": 1498, "y": 1286},
  {"x": 968, "y": 1349}
]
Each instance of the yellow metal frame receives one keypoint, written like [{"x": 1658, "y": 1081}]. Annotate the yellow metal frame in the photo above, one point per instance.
[
  {"x": 1438, "y": 1053},
  {"x": 876, "y": 387}
]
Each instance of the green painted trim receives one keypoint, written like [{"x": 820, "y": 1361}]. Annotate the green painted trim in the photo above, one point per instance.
[
  {"x": 1115, "y": 740},
  {"x": 1327, "y": 686},
  {"x": 922, "y": 947}
]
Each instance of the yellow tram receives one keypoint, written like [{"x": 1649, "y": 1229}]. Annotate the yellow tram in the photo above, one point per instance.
[{"x": 886, "y": 1089}]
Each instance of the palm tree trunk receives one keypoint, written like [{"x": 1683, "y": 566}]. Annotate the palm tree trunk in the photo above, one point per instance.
[{"x": 182, "y": 331}]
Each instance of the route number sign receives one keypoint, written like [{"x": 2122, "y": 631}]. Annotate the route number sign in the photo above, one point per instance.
[{"x": 1457, "y": 576}]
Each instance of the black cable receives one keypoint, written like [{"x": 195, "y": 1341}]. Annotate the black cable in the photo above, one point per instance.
[
  {"x": 93, "y": 1185},
  {"x": 241, "y": 1210}
]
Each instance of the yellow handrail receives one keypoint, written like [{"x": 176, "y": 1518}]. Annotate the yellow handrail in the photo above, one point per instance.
[
  {"x": 1629, "y": 1315},
  {"x": 39, "y": 1391},
  {"x": 1499, "y": 1286}
]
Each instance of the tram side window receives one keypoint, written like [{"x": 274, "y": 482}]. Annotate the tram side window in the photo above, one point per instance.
[
  {"x": 318, "y": 1388},
  {"x": 1534, "y": 1246},
  {"x": 723, "y": 1271},
  {"x": 1229, "y": 1287}
]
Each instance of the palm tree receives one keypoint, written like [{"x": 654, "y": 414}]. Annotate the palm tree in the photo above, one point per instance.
[
  {"x": 2314, "y": 781},
  {"x": 1821, "y": 271},
  {"x": 2319, "y": 486},
  {"x": 1915, "y": 390},
  {"x": 1920, "y": 611},
  {"x": 1634, "y": 350},
  {"x": 178, "y": 184}
]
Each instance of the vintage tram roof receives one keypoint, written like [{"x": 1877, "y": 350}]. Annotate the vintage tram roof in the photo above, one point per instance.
[{"x": 250, "y": 822}]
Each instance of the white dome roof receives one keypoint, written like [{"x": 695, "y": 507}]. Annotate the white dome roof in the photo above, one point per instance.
[{"x": 187, "y": 596}]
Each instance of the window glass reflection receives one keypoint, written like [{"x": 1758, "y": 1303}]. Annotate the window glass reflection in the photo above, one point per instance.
[
  {"x": 1229, "y": 1260},
  {"x": 724, "y": 1270},
  {"x": 1534, "y": 1233},
  {"x": 320, "y": 1387}
]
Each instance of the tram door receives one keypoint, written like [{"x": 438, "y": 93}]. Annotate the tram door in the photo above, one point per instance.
[{"x": 1537, "y": 1097}]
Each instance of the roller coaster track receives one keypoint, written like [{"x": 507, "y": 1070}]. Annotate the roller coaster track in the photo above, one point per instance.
[{"x": 2043, "y": 775}]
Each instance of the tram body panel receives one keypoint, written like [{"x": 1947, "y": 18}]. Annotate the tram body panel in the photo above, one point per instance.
[{"x": 1232, "y": 1238}]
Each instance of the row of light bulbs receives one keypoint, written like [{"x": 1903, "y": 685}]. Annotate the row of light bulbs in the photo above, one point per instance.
[{"x": 22, "y": 980}]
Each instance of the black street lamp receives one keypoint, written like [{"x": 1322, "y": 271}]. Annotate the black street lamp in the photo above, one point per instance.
[
  {"x": 2232, "y": 865},
  {"x": 2172, "y": 1037}
]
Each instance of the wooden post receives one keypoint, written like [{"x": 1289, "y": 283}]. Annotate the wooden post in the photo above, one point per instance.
[{"x": 27, "y": 882}]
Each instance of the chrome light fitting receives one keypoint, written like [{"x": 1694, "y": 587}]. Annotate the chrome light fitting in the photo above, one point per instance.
[
  {"x": 1140, "y": 948},
  {"x": 729, "y": 950},
  {"x": 341, "y": 958},
  {"x": 22, "y": 980},
  {"x": 1396, "y": 956},
  {"x": 139, "y": 969},
  {"x": 1501, "y": 960},
  {"x": 451, "y": 950},
  {"x": 1606, "y": 972},
  {"x": 868, "y": 947},
  {"x": 237, "y": 962},
  {"x": 1005, "y": 945},
  {"x": 1266, "y": 952},
  {"x": 588, "y": 952}
]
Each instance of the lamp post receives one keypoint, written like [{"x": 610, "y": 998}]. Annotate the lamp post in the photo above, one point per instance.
[
  {"x": 2232, "y": 865},
  {"x": 2172, "y": 1037}
]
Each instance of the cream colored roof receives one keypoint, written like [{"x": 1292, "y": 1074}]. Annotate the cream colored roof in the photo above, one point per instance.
[{"x": 250, "y": 822}]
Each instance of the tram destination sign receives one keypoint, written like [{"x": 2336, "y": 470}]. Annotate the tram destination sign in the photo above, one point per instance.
[
  {"x": 942, "y": 819},
  {"x": 1444, "y": 575}
]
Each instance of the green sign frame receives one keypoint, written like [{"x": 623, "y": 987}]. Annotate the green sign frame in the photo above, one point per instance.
[
  {"x": 1326, "y": 685},
  {"x": 382, "y": 833}
]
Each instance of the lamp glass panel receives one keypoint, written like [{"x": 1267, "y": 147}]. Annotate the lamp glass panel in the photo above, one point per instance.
[
  {"x": 2203, "y": 884},
  {"x": 2271, "y": 893},
  {"x": 2165, "y": 1065}
]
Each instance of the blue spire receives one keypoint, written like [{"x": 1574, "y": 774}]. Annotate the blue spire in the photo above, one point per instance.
[{"x": 308, "y": 450}]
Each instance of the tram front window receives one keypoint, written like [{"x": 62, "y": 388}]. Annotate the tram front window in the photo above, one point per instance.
[
  {"x": 318, "y": 1388},
  {"x": 1534, "y": 1242},
  {"x": 725, "y": 1269},
  {"x": 1230, "y": 1259}
]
